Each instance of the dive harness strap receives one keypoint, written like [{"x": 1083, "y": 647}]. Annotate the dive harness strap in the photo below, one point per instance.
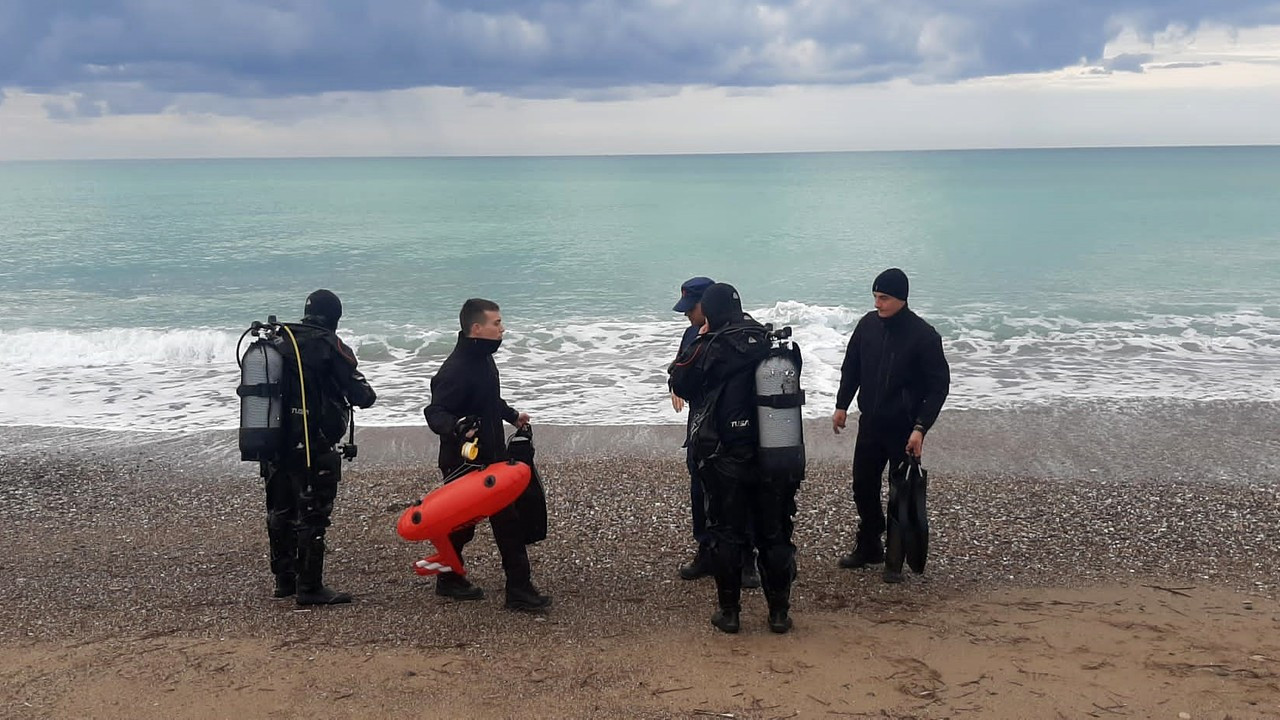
[
  {"x": 258, "y": 390},
  {"x": 789, "y": 400}
]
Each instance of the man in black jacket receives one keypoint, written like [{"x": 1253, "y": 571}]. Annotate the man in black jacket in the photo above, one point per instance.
[
  {"x": 717, "y": 374},
  {"x": 895, "y": 364},
  {"x": 466, "y": 404},
  {"x": 300, "y": 495}
]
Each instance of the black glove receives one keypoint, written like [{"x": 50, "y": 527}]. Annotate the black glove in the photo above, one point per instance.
[
  {"x": 520, "y": 446},
  {"x": 466, "y": 424}
]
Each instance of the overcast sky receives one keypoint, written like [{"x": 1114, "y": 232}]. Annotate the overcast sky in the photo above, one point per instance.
[{"x": 160, "y": 78}]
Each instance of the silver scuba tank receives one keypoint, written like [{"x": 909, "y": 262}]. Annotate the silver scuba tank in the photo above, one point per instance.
[
  {"x": 778, "y": 400},
  {"x": 261, "y": 395}
]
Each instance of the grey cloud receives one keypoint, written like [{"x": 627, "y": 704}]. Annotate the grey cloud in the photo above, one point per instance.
[
  {"x": 76, "y": 106},
  {"x": 140, "y": 55},
  {"x": 1128, "y": 62}
]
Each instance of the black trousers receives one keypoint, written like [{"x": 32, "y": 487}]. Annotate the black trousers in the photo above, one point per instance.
[
  {"x": 508, "y": 535},
  {"x": 746, "y": 507},
  {"x": 697, "y": 502},
  {"x": 299, "y": 504},
  {"x": 874, "y": 449}
]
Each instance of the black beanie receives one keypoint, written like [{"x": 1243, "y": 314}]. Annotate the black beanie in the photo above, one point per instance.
[
  {"x": 892, "y": 282},
  {"x": 324, "y": 308},
  {"x": 721, "y": 304}
]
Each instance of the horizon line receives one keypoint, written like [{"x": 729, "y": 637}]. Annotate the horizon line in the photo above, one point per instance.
[{"x": 500, "y": 156}]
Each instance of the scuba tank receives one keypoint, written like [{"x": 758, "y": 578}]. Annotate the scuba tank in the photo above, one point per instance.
[
  {"x": 261, "y": 393},
  {"x": 779, "y": 399},
  {"x": 274, "y": 398}
]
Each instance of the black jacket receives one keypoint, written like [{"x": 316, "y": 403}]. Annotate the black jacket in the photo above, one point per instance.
[
  {"x": 332, "y": 382},
  {"x": 466, "y": 385},
  {"x": 898, "y": 365},
  {"x": 716, "y": 374}
]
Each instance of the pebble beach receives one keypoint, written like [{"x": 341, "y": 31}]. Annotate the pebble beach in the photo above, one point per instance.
[{"x": 135, "y": 585}]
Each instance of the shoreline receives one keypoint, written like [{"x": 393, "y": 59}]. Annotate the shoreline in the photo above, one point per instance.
[{"x": 1215, "y": 442}]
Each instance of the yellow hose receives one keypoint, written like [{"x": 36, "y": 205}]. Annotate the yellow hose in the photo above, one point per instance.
[{"x": 302, "y": 385}]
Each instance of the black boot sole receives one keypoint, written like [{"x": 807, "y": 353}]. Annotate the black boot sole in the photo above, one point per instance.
[
  {"x": 468, "y": 595},
  {"x": 520, "y": 606},
  {"x": 781, "y": 627},
  {"x": 339, "y": 599}
]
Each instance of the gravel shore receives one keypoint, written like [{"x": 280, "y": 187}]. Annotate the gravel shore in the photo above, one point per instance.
[
  {"x": 142, "y": 547},
  {"x": 1106, "y": 574}
]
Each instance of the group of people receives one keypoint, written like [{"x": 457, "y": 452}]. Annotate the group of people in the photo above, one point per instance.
[
  {"x": 742, "y": 514},
  {"x": 894, "y": 364}
]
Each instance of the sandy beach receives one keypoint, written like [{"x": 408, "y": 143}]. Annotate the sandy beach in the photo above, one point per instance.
[{"x": 134, "y": 585}]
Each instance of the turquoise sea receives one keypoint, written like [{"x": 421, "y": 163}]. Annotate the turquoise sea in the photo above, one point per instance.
[{"x": 1144, "y": 275}]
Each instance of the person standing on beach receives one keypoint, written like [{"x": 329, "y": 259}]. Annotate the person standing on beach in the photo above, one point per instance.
[
  {"x": 300, "y": 495},
  {"x": 466, "y": 404},
  {"x": 717, "y": 374},
  {"x": 895, "y": 364},
  {"x": 690, "y": 303}
]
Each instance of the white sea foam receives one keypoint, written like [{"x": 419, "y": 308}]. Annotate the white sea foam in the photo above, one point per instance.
[{"x": 613, "y": 372}]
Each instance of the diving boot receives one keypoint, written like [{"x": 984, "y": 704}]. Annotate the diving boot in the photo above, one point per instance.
[
  {"x": 526, "y": 598},
  {"x": 311, "y": 587},
  {"x": 779, "y": 621},
  {"x": 286, "y": 585},
  {"x": 866, "y": 552},
  {"x": 779, "y": 607},
  {"x": 699, "y": 567},
  {"x": 892, "y": 576},
  {"x": 457, "y": 587},
  {"x": 729, "y": 598},
  {"x": 727, "y": 620},
  {"x": 284, "y": 559}
]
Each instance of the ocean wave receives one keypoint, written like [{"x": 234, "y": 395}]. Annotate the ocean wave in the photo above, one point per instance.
[{"x": 609, "y": 371}]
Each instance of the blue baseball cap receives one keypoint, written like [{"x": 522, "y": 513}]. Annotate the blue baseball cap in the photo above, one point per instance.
[{"x": 691, "y": 293}]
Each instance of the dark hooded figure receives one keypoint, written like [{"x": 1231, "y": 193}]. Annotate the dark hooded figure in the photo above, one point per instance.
[
  {"x": 300, "y": 494},
  {"x": 717, "y": 374},
  {"x": 690, "y": 304}
]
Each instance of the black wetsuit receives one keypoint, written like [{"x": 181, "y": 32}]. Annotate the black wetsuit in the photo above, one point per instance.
[
  {"x": 717, "y": 375},
  {"x": 300, "y": 499},
  {"x": 467, "y": 386},
  {"x": 898, "y": 370}
]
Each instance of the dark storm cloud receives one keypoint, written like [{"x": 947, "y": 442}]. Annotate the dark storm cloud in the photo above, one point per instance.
[{"x": 134, "y": 55}]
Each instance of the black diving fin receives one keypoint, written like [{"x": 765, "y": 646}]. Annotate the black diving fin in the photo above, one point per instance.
[
  {"x": 908, "y": 519},
  {"x": 918, "y": 515}
]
